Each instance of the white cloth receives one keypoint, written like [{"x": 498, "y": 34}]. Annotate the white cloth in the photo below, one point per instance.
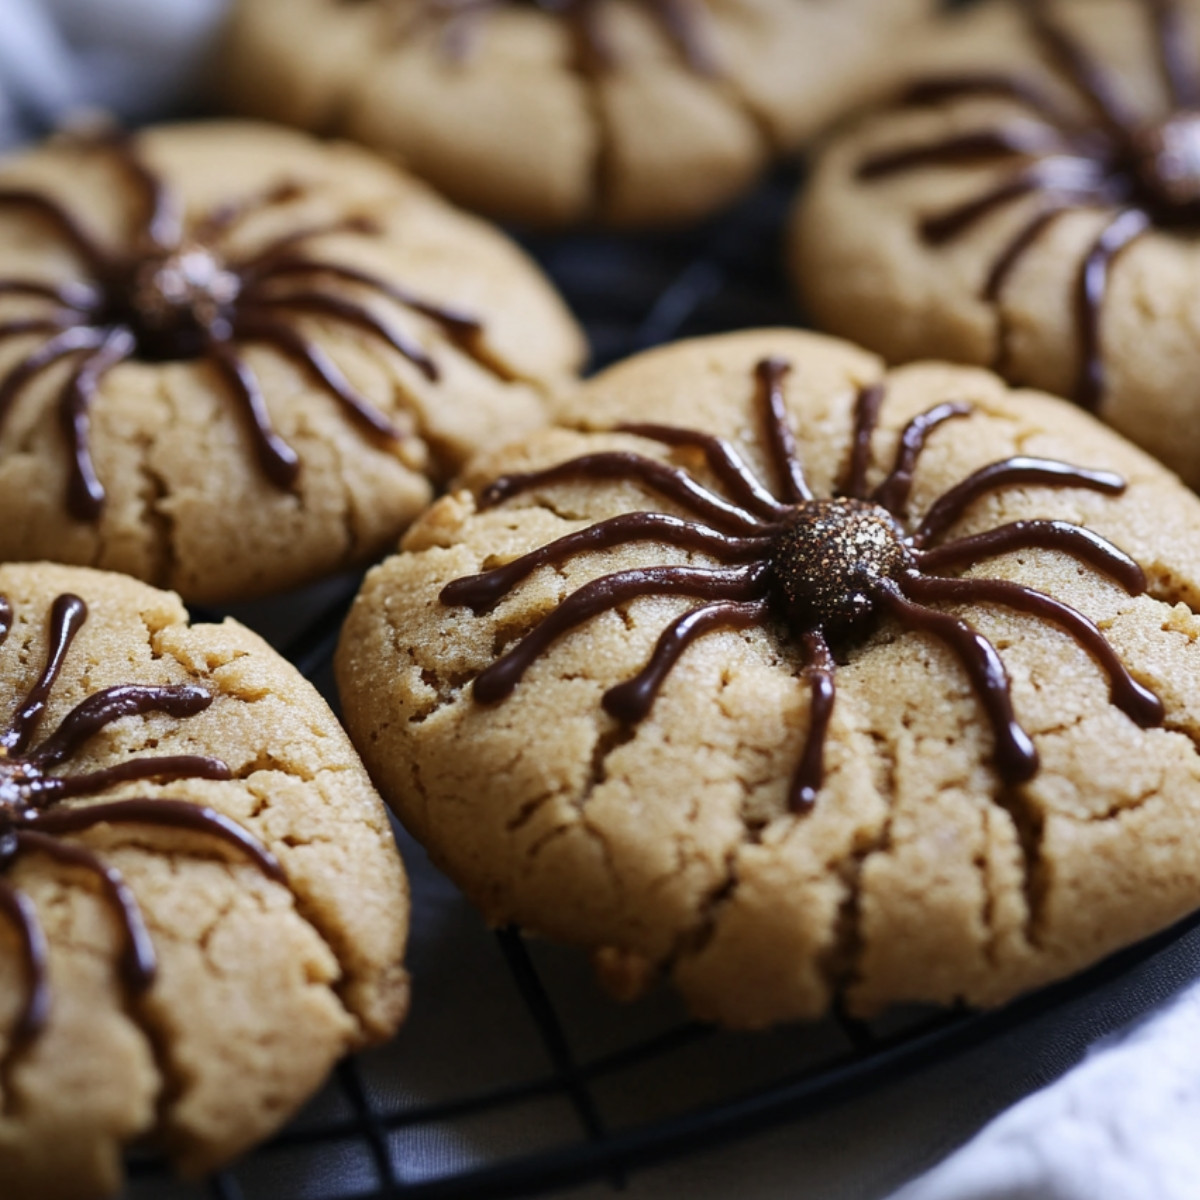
[
  {"x": 134, "y": 58},
  {"x": 1121, "y": 1126}
]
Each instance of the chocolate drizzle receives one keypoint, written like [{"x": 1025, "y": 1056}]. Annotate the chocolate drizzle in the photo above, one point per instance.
[
  {"x": 1144, "y": 174},
  {"x": 822, "y": 570},
  {"x": 177, "y": 293},
  {"x": 31, "y": 824},
  {"x": 684, "y": 22}
]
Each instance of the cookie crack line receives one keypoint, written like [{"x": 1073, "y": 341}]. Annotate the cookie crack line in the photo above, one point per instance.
[
  {"x": 177, "y": 292},
  {"x": 821, "y": 573},
  {"x": 35, "y": 821},
  {"x": 1142, "y": 174}
]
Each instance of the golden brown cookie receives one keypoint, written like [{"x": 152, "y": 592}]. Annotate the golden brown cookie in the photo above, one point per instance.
[
  {"x": 632, "y": 112},
  {"x": 234, "y": 359},
  {"x": 1030, "y": 201},
  {"x": 846, "y": 682},
  {"x": 201, "y": 904}
]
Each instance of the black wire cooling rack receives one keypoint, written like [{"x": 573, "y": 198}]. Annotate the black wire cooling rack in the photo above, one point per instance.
[{"x": 515, "y": 1075}]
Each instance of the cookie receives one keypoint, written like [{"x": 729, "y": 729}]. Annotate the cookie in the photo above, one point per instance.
[
  {"x": 630, "y": 112},
  {"x": 201, "y": 904},
  {"x": 1030, "y": 201},
  {"x": 828, "y": 682},
  {"x": 234, "y": 359}
]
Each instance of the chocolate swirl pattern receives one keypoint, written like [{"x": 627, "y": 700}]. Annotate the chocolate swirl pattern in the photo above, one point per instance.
[
  {"x": 32, "y": 822},
  {"x": 1144, "y": 174},
  {"x": 818, "y": 571},
  {"x": 177, "y": 292}
]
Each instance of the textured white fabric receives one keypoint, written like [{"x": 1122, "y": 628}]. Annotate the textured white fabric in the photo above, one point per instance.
[
  {"x": 134, "y": 58},
  {"x": 1123, "y": 1125}
]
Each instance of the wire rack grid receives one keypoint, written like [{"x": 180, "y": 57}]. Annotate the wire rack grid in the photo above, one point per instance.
[{"x": 515, "y": 1076}]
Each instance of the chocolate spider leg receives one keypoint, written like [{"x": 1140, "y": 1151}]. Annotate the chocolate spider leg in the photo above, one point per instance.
[
  {"x": 35, "y": 1011},
  {"x": 287, "y": 241},
  {"x": 85, "y": 494},
  {"x": 980, "y": 144},
  {"x": 67, "y": 615},
  {"x": 70, "y": 341},
  {"x": 277, "y": 458},
  {"x": 168, "y": 768},
  {"x": 1091, "y": 290},
  {"x": 724, "y": 462},
  {"x": 458, "y": 324},
  {"x": 608, "y": 592},
  {"x": 88, "y": 248},
  {"x": 684, "y": 22},
  {"x": 1138, "y": 703},
  {"x": 220, "y": 220},
  {"x": 668, "y": 481},
  {"x": 1016, "y": 757},
  {"x": 1010, "y": 258},
  {"x": 810, "y": 771},
  {"x": 1084, "y": 71},
  {"x": 352, "y": 314},
  {"x": 461, "y": 28},
  {"x": 276, "y": 333},
  {"x": 6, "y": 618},
  {"x": 952, "y": 87},
  {"x": 892, "y": 494},
  {"x": 71, "y": 295},
  {"x": 1009, "y": 472},
  {"x": 168, "y": 814},
  {"x": 866, "y": 418},
  {"x": 162, "y": 224},
  {"x": 138, "y": 960},
  {"x": 630, "y": 701},
  {"x": 1074, "y": 179},
  {"x": 102, "y": 708},
  {"x": 53, "y": 323},
  {"x": 1179, "y": 66},
  {"x": 781, "y": 441},
  {"x": 1081, "y": 543},
  {"x": 482, "y": 591}
]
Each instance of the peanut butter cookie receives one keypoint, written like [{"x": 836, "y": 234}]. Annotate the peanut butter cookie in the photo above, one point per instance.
[
  {"x": 632, "y": 112},
  {"x": 201, "y": 904},
  {"x": 1030, "y": 200},
  {"x": 233, "y": 359},
  {"x": 791, "y": 677}
]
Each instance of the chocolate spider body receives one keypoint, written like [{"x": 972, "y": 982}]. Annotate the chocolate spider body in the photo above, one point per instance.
[
  {"x": 30, "y": 822},
  {"x": 176, "y": 294},
  {"x": 1145, "y": 174},
  {"x": 822, "y": 569},
  {"x": 682, "y": 20}
]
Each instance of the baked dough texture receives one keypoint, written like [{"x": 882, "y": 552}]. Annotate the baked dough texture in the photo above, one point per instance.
[
  {"x": 864, "y": 270},
  {"x": 261, "y": 986},
  {"x": 519, "y": 124},
  {"x": 189, "y": 505},
  {"x": 668, "y": 845}
]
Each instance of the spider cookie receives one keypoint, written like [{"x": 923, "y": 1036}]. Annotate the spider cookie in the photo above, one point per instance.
[
  {"x": 822, "y": 681},
  {"x": 233, "y": 359},
  {"x": 630, "y": 112},
  {"x": 1030, "y": 200},
  {"x": 201, "y": 905}
]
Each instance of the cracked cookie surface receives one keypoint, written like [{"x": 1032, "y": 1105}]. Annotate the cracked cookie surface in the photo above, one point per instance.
[
  {"x": 259, "y": 980},
  {"x": 234, "y": 359},
  {"x": 673, "y": 843},
  {"x": 1027, "y": 202},
  {"x": 528, "y": 121}
]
